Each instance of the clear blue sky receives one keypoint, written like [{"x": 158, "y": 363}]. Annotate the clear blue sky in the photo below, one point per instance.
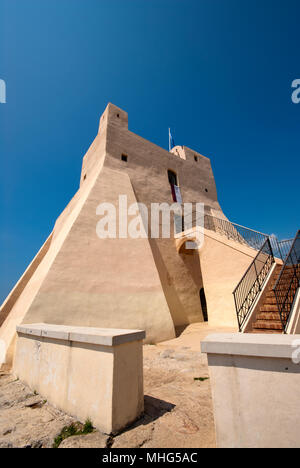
[{"x": 218, "y": 72}]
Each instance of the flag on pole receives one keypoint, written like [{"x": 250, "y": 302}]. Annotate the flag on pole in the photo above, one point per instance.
[{"x": 171, "y": 140}]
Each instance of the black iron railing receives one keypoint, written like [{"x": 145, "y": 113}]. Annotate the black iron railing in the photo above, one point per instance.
[
  {"x": 233, "y": 231},
  {"x": 280, "y": 248},
  {"x": 236, "y": 232},
  {"x": 288, "y": 282},
  {"x": 284, "y": 248},
  {"x": 252, "y": 282}
]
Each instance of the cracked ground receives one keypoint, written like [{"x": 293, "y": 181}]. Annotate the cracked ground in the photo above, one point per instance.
[{"x": 178, "y": 408}]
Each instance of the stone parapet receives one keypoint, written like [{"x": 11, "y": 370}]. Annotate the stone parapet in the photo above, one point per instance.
[{"x": 88, "y": 372}]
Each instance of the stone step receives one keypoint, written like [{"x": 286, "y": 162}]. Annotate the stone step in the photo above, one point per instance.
[
  {"x": 267, "y": 324},
  {"x": 266, "y": 330},
  {"x": 267, "y": 320},
  {"x": 286, "y": 277},
  {"x": 270, "y": 301},
  {"x": 268, "y": 316},
  {"x": 268, "y": 308}
]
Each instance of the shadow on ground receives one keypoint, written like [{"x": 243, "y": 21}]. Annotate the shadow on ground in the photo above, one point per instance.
[{"x": 154, "y": 408}]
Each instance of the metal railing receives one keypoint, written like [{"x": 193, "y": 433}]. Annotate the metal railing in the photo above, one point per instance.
[
  {"x": 236, "y": 232},
  {"x": 288, "y": 282},
  {"x": 243, "y": 235},
  {"x": 252, "y": 282},
  {"x": 284, "y": 248}
]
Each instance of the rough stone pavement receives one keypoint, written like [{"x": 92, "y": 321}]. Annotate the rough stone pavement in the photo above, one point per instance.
[
  {"x": 178, "y": 409},
  {"x": 26, "y": 420}
]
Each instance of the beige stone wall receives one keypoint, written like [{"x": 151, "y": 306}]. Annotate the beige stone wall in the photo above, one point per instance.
[
  {"x": 104, "y": 282},
  {"x": 14, "y": 295},
  {"x": 88, "y": 373},
  {"x": 220, "y": 265},
  {"x": 223, "y": 263},
  {"x": 255, "y": 389}
]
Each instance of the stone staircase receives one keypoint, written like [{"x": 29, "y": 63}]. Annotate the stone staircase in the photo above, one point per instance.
[{"x": 268, "y": 318}]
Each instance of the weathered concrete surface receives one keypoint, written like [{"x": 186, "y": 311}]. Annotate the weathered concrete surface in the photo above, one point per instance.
[
  {"x": 178, "y": 409},
  {"x": 255, "y": 388},
  {"x": 55, "y": 360}
]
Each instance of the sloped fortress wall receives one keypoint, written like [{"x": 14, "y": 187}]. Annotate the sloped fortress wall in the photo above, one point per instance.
[
  {"x": 122, "y": 282},
  {"x": 107, "y": 281}
]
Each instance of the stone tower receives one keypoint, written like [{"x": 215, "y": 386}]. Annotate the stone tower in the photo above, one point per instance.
[{"x": 79, "y": 279}]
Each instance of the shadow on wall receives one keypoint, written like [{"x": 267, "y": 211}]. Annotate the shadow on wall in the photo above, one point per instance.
[
  {"x": 191, "y": 259},
  {"x": 180, "y": 329},
  {"x": 187, "y": 303},
  {"x": 174, "y": 302}
]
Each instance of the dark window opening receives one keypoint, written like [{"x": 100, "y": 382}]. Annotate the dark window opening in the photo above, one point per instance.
[
  {"x": 203, "y": 304},
  {"x": 118, "y": 115},
  {"x": 124, "y": 157},
  {"x": 206, "y": 190},
  {"x": 172, "y": 177},
  {"x": 84, "y": 177},
  {"x": 196, "y": 158}
]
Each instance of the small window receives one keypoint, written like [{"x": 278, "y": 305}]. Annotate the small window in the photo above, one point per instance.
[
  {"x": 206, "y": 190},
  {"x": 84, "y": 177},
  {"x": 196, "y": 158},
  {"x": 124, "y": 157},
  {"x": 118, "y": 115}
]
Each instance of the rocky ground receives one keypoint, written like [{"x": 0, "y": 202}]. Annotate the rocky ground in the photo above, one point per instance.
[{"x": 178, "y": 405}]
